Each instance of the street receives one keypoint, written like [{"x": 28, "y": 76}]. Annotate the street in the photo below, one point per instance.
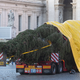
[{"x": 9, "y": 73}]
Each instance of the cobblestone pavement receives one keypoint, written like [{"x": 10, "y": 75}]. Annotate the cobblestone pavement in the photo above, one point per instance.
[{"x": 9, "y": 73}]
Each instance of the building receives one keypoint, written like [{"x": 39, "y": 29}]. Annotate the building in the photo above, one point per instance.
[
  {"x": 62, "y": 10},
  {"x": 30, "y": 14}
]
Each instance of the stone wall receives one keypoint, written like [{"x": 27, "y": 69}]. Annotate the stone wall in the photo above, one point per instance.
[
  {"x": 77, "y": 9},
  {"x": 50, "y": 10},
  {"x": 47, "y": 10},
  {"x": 24, "y": 8}
]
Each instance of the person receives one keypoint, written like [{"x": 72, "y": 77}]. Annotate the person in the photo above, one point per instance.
[
  {"x": 72, "y": 71},
  {"x": 12, "y": 62}
]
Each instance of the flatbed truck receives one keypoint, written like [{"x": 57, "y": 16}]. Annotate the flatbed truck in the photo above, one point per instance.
[{"x": 43, "y": 67}]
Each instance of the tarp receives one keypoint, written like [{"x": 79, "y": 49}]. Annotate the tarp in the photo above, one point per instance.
[{"x": 71, "y": 29}]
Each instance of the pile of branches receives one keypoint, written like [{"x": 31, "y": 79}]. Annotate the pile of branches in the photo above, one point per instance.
[{"x": 35, "y": 39}]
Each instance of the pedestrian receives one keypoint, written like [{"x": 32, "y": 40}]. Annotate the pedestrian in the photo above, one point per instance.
[
  {"x": 12, "y": 62},
  {"x": 72, "y": 71}
]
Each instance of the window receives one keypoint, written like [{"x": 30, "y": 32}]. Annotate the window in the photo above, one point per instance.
[
  {"x": 37, "y": 21},
  {"x": 0, "y": 20},
  {"x": 20, "y": 22},
  {"x": 29, "y": 20}
]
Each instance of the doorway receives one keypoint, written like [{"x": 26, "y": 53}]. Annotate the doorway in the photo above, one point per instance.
[{"x": 67, "y": 13}]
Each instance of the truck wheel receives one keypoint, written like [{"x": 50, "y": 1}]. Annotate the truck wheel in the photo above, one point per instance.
[
  {"x": 21, "y": 73},
  {"x": 60, "y": 68},
  {"x": 53, "y": 69},
  {"x": 24, "y": 73}
]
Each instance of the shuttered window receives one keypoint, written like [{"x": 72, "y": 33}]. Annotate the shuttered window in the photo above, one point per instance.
[
  {"x": 37, "y": 21},
  {"x": 20, "y": 22},
  {"x": 29, "y": 22}
]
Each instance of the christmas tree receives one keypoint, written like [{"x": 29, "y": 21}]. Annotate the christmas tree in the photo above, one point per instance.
[{"x": 35, "y": 39}]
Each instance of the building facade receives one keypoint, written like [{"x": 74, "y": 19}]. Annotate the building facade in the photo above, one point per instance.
[
  {"x": 62, "y": 10},
  {"x": 30, "y": 14}
]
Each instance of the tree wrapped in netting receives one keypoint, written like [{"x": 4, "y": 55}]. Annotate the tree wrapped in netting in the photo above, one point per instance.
[{"x": 35, "y": 39}]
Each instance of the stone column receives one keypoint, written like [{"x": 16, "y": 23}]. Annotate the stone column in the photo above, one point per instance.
[
  {"x": 6, "y": 17},
  {"x": 41, "y": 18},
  {"x": 59, "y": 12},
  {"x": 16, "y": 21},
  {"x": 74, "y": 10},
  {"x": 3, "y": 17},
  {"x": 50, "y": 10},
  {"x": 34, "y": 20},
  {"x": 0, "y": 17},
  {"x": 24, "y": 21},
  {"x": 44, "y": 18}
]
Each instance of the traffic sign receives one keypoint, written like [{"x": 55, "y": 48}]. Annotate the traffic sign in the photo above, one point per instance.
[{"x": 2, "y": 59}]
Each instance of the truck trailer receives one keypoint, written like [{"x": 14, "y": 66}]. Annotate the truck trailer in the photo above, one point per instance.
[
  {"x": 70, "y": 29},
  {"x": 53, "y": 66}
]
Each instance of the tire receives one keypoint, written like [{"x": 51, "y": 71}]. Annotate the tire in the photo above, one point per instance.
[
  {"x": 60, "y": 68},
  {"x": 24, "y": 73},
  {"x": 53, "y": 69}
]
